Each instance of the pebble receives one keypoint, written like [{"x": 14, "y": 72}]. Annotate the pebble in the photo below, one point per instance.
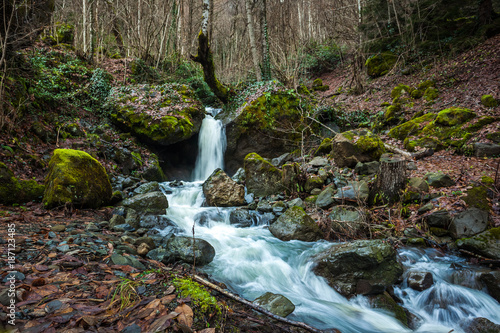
[
  {"x": 52, "y": 234},
  {"x": 63, "y": 248},
  {"x": 53, "y": 306},
  {"x": 58, "y": 228},
  {"x": 18, "y": 275}
]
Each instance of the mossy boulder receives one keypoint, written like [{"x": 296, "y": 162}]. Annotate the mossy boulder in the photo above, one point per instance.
[
  {"x": 262, "y": 178},
  {"x": 411, "y": 127},
  {"x": 324, "y": 148},
  {"x": 486, "y": 243},
  {"x": 477, "y": 197},
  {"x": 417, "y": 94},
  {"x": 489, "y": 101},
  {"x": 391, "y": 114},
  {"x": 454, "y": 116},
  {"x": 380, "y": 64},
  {"x": 147, "y": 203},
  {"x": 295, "y": 224},
  {"x": 15, "y": 191},
  {"x": 355, "y": 146},
  {"x": 398, "y": 90},
  {"x": 318, "y": 85},
  {"x": 74, "y": 177},
  {"x": 160, "y": 115},
  {"x": 426, "y": 84},
  {"x": 431, "y": 94},
  {"x": 362, "y": 267}
]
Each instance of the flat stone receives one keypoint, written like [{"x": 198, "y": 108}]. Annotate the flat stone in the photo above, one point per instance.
[
  {"x": 17, "y": 275},
  {"x": 276, "y": 304},
  {"x": 318, "y": 161},
  {"x": 486, "y": 149},
  {"x": 58, "y": 228},
  {"x": 63, "y": 248},
  {"x": 469, "y": 223},
  {"x": 439, "y": 179}
]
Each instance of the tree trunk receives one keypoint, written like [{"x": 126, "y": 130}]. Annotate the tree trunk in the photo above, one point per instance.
[
  {"x": 205, "y": 58},
  {"x": 485, "y": 12},
  {"x": 84, "y": 27},
  {"x": 253, "y": 45},
  {"x": 266, "y": 64},
  {"x": 391, "y": 178}
]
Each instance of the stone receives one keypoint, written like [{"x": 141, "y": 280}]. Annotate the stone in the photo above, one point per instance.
[
  {"x": 425, "y": 208},
  {"x": 118, "y": 259},
  {"x": 280, "y": 160},
  {"x": 386, "y": 302},
  {"x": 123, "y": 248},
  {"x": 14, "y": 274},
  {"x": 63, "y": 248},
  {"x": 438, "y": 179},
  {"x": 143, "y": 249},
  {"x": 4, "y": 297},
  {"x": 420, "y": 280},
  {"x": 222, "y": 191},
  {"x": 354, "y": 192},
  {"x": 325, "y": 198},
  {"x": 74, "y": 177},
  {"x": 116, "y": 220},
  {"x": 149, "y": 203},
  {"x": 92, "y": 227},
  {"x": 296, "y": 224},
  {"x": 239, "y": 176},
  {"x": 313, "y": 182},
  {"x": 275, "y": 303},
  {"x": 418, "y": 184},
  {"x": 439, "y": 219},
  {"x": 479, "y": 325},
  {"x": 181, "y": 248},
  {"x": 133, "y": 328},
  {"x": 296, "y": 202},
  {"x": 368, "y": 168},
  {"x": 264, "y": 207},
  {"x": 348, "y": 221},
  {"x": 491, "y": 280},
  {"x": 361, "y": 267},
  {"x": 145, "y": 240},
  {"x": 316, "y": 191},
  {"x": 155, "y": 221},
  {"x": 279, "y": 207},
  {"x": 482, "y": 149},
  {"x": 380, "y": 64},
  {"x": 132, "y": 218},
  {"x": 318, "y": 161},
  {"x": 159, "y": 254},
  {"x": 469, "y": 223},
  {"x": 355, "y": 146},
  {"x": 146, "y": 188},
  {"x": 262, "y": 178},
  {"x": 58, "y": 228},
  {"x": 489, "y": 101},
  {"x": 486, "y": 243},
  {"x": 206, "y": 217}
]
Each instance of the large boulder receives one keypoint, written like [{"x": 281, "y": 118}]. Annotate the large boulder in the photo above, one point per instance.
[
  {"x": 491, "y": 279},
  {"x": 479, "y": 325},
  {"x": 469, "y": 223},
  {"x": 438, "y": 179},
  {"x": 222, "y": 191},
  {"x": 182, "y": 248},
  {"x": 160, "y": 115},
  {"x": 347, "y": 221},
  {"x": 15, "y": 191},
  {"x": 361, "y": 267},
  {"x": 486, "y": 243},
  {"x": 296, "y": 224},
  {"x": 242, "y": 217},
  {"x": 74, "y": 177},
  {"x": 262, "y": 178},
  {"x": 352, "y": 147},
  {"x": 147, "y": 203},
  {"x": 276, "y": 304},
  {"x": 380, "y": 64}
]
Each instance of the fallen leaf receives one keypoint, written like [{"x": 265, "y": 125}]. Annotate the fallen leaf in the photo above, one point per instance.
[
  {"x": 207, "y": 330},
  {"x": 168, "y": 299},
  {"x": 185, "y": 315},
  {"x": 162, "y": 323}
]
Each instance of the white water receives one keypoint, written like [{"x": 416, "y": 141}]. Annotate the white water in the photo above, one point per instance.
[
  {"x": 211, "y": 146},
  {"x": 250, "y": 261}
]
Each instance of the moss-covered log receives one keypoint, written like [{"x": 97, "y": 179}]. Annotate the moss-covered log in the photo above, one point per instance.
[{"x": 205, "y": 58}]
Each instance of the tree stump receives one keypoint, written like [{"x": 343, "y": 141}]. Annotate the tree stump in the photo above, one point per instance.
[{"x": 391, "y": 177}]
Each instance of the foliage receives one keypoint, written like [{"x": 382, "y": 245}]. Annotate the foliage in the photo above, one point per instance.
[
  {"x": 100, "y": 86},
  {"x": 342, "y": 118},
  {"x": 321, "y": 57},
  {"x": 142, "y": 72},
  {"x": 126, "y": 292},
  {"x": 200, "y": 297}
]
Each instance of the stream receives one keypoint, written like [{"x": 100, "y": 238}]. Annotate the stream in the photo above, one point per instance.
[{"x": 251, "y": 261}]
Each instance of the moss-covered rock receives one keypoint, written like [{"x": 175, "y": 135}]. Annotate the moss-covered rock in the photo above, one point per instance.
[
  {"x": 386, "y": 302},
  {"x": 431, "y": 94},
  {"x": 318, "y": 85},
  {"x": 477, "y": 197},
  {"x": 489, "y": 101},
  {"x": 15, "y": 191},
  {"x": 262, "y": 178},
  {"x": 296, "y": 224},
  {"x": 355, "y": 146},
  {"x": 74, "y": 177},
  {"x": 380, "y": 64},
  {"x": 495, "y": 137},
  {"x": 426, "y": 84},
  {"x": 398, "y": 90},
  {"x": 454, "y": 116},
  {"x": 160, "y": 115},
  {"x": 411, "y": 127},
  {"x": 486, "y": 243},
  {"x": 324, "y": 148},
  {"x": 391, "y": 113},
  {"x": 480, "y": 123},
  {"x": 313, "y": 182}
]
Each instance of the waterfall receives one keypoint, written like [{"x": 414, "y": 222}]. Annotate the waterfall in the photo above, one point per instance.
[{"x": 211, "y": 146}]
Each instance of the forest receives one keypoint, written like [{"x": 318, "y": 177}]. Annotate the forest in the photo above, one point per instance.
[{"x": 250, "y": 166}]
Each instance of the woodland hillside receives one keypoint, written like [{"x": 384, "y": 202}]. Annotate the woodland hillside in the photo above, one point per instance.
[{"x": 369, "y": 121}]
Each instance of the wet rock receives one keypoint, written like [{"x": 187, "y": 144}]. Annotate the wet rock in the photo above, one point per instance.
[
  {"x": 369, "y": 168},
  {"x": 262, "y": 178},
  {"x": 159, "y": 254},
  {"x": 486, "y": 243},
  {"x": 386, "y": 302},
  {"x": 348, "y": 221},
  {"x": 239, "y": 176},
  {"x": 296, "y": 224},
  {"x": 479, "y": 325},
  {"x": 361, "y": 267},
  {"x": 491, "y": 280},
  {"x": 486, "y": 149},
  {"x": 242, "y": 217},
  {"x": 205, "y": 217},
  {"x": 279, "y": 208},
  {"x": 146, "y": 188},
  {"x": 439, "y": 179},
  {"x": 149, "y": 203},
  {"x": 275, "y": 303},
  {"x": 181, "y": 248},
  {"x": 222, "y": 191},
  {"x": 325, "y": 198},
  {"x": 296, "y": 202},
  {"x": 469, "y": 223},
  {"x": 264, "y": 207},
  {"x": 438, "y": 219},
  {"x": 155, "y": 221},
  {"x": 354, "y": 192},
  {"x": 420, "y": 280}
]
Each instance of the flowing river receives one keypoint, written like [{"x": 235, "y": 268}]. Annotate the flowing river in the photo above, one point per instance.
[{"x": 251, "y": 262}]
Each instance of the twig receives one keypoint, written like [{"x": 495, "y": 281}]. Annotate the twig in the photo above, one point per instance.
[{"x": 253, "y": 306}]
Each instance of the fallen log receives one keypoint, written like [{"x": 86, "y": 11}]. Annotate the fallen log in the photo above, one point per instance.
[{"x": 256, "y": 307}]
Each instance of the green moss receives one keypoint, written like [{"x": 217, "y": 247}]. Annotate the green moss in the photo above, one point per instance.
[
  {"x": 200, "y": 297},
  {"x": 302, "y": 89},
  {"x": 417, "y": 94},
  {"x": 137, "y": 157},
  {"x": 481, "y": 122},
  {"x": 487, "y": 180},
  {"x": 454, "y": 116},
  {"x": 390, "y": 114},
  {"x": 313, "y": 182},
  {"x": 489, "y": 101},
  {"x": 386, "y": 302},
  {"x": 410, "y": 127},
  {"x": 399, "y": 89},
  {"x": 495, "y": 137},
  {"x": 478, "y": 197},
  {"x": 14, "y": 191},
  {"x": 380, "y": 64},
  {"x": 76, "y": 178},
  {"x": 431, "y": 94},
  {"x": 366, "y": 142},
  {"x": 324, "y": 148},
  {"x": 311, "y": 199},
  {"x": 426, "y": 84}
]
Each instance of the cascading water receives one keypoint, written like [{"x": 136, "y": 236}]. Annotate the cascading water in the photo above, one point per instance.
[
  {"x": 251, "y": 261},
  {"x": 211, "y": 146}
]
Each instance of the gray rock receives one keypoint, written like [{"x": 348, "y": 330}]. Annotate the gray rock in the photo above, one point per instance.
[
  {"x": 146, "y": 188},
  {"x": 92, "y": 227},
  {"x": 318, "y": 161},
  {"x": 120, "y": 249},
  {"x": 14, "y": 274},
  {"x": 486, "y": 149},
  {"x": 279, "y": 207},
  {"x": 205, "y": 217},
  {"x": 438, "y": 179},
  {"x": 325, "y": 198},
  {"x": 132, "y": 218},
  {"x": 486, "y": 243},
  {"x": 264, "y": 207},
  {"x": 491, "y": 280},
  {"x": 242, "y": 217},
  {"x": 296, "y": 224},
  {"x": 117, "y": 259},
  {"x": 368, "y": 168},
  {"x": 418, "y": 184},
  {"x": 134, "y": 328},
  {"x": 181, "y": 248},
  {"x": 347, "y": 153},
  {"x": 146, "y": 240},
  {"x": 296, "y": 202},
  {"x": 159, "y": 254},
  {"x": 348, "y": 221},
  {"x": 63, "y": 248},
  {"x": 469, "y": 223},
  {"x": 262, "y": 178},
  {"x": 222, "y": 191},
  {"x": 123, "y": 227},
  {"x": 420, "y": 280},
  {"x": 149, "y": 203},
  {"x": 479, "y": 325},
  {"x": 280, "y": 160},
  {"x": 276, "y": 304},
  {"x": 155, "y": 221},
  {"x": 354, "y": 192},
  {"x": 439, "y": 219},
  {"x": 425, "y": 208},
  {"x": 116, "y": 220},
  {"x": 361, "y": 267},
  {"x": 239, "y": 176}
]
